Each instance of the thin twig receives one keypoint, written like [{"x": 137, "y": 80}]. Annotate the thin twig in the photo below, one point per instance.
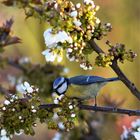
[
  {"x": 118, "y": 71},
  {"x": 97, "y": 109}
]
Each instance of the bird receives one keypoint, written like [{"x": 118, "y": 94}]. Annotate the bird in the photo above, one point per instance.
[{"x": 85, "y": 87}]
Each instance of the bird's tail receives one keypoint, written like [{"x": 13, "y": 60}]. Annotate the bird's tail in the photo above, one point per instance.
[{"x": 112, "y": 79}]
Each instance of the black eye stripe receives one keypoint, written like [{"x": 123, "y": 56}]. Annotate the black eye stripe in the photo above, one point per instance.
[{"x": 61, "y": 84}]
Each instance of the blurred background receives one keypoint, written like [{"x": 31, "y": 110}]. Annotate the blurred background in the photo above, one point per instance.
[{"x": 125, "y": 19}]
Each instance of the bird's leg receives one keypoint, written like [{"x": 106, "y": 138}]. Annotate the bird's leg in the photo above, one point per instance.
[{"x": 95, "y": 101}]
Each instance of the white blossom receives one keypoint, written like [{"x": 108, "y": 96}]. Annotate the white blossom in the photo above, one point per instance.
[
  {"x": 6, "y": 102},
  {"x": 33, "y": 110},
  {"x": 125, "y": 133},
  {"x": 51, "y": 40},
  {"x": 90, "y": 67},
  {"x": 62, "y": 36},
  {"x": 82, "y": 65},
  {"x": 4, "y": 108},
  {"x": 3, "y": 132},
  {"x": 136, "y": 123},
  {"x": 55, "y": 116},
  {"x": 20, "y": 117},
  {"x": 3, "y": 135},
  {"x": 71, "y": 107},
  {"x": 98, "y": 20},
  {"x": 32, "y": 107},
  {"x": 61, "y": 126},
  {"x": 73, "y": 115},
  {"x": 11, "y": 100},
  {"x": 26, "y": 87},
  {"x": 133, "y": 131},
  {"x": 13, "y": 109},
  {"x": 23, "y": 88},
  {"x": 54, "y": 95},
  {"x": 20, "y": 89},
  {"x": 78, "y": 5},
  {"x": 69, "y": 50},
  {"x": 35, "y": 125},
  {"x": 56, "y": 101},
  {"x": 14, "y": 97},
  {"x": 97, "y": 8},
  {"x": 59, "y": 58},
  {"x": 61, "y": 96},
  {"x": 56, "y": 5},
  {"x": 50, "y": 56},
  {"x": 74, "y": 13},
  {"x": 88, "y": 2},
  {"x": 69, "y": 40},
  {"x": 108, "y": 24},
  {"x": 77, "y": 23},
  {"x": 70, "y": 58},
  {"x": 57, "y": 136},
  {"x": 4, "y": 138},
  {"x": 137, "y": 135}
]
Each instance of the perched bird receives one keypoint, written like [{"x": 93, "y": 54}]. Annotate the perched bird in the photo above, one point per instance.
[{"x": 84, "y": 87}]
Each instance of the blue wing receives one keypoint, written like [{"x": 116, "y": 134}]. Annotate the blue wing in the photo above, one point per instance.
[{"x": 85, "y": 80}]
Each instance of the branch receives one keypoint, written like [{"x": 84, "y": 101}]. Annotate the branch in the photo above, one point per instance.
[
  {"x": 118, "y": 71},
  {"x": 16, "y": 65},
  {"x": 97, "y": 109},
  {"x": 13, "y": 63}
]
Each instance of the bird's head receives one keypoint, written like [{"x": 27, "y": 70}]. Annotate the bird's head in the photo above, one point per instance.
[{"x": 60, "y": 85}]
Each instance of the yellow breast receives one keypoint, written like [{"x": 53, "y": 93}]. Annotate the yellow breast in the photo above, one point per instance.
[{"x": 84, "y": 91}]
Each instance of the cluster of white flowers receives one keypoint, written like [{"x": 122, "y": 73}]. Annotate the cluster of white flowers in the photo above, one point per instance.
[
  {"x": 26, "y": 88},
  {"x": 134, "y": 131},
  {"x": 51, "y": 41},
  {"x": 8, "y": 102},
  {"x": 57, "y": 99},
  {"x": 22, "y": 88},
  {"x": 73, "y": 35}
]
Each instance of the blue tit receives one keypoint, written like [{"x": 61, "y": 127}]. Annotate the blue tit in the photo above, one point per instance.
[{"x": 84, "y": 87}]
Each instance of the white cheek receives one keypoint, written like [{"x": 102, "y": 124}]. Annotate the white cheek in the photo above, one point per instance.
[
  {"x": 57, "y": 84},
  {"x": 63, "y": 88}
]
